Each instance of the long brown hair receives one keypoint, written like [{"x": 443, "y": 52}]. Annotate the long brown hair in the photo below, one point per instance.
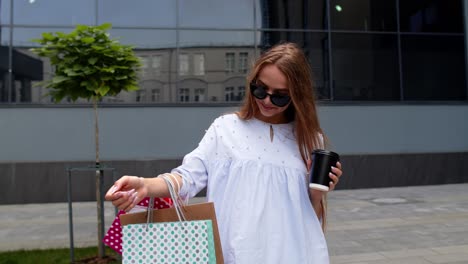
[{"x": 292, "y": 62}]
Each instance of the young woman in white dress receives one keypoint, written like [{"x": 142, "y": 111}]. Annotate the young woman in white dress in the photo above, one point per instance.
[{"x": 254, "y": 164}]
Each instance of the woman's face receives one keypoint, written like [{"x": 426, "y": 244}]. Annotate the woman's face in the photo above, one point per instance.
[{"x": 275, "y": 82}]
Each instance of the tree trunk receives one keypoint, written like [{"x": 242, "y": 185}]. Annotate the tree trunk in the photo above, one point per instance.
[{"x": 99, "y": 183}]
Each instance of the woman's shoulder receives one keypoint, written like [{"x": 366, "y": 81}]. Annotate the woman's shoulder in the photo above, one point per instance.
[
  {"x": 228, "y": 123},
  {"x": 227, "y": 119}
]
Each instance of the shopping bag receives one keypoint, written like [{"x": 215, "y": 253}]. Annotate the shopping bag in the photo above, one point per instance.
[
  {"x": 169, "y": 242},
  {"x": 113, "y": 237},
  {"x": 200, "y": 211},
  {"x": 159, "y": 231}
]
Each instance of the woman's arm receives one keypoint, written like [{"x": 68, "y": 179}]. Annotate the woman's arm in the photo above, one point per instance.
[
  {"x": 316, "y": 199},
  {"x": 129, "y": 190},
  {"x": 157, "y": 187}
]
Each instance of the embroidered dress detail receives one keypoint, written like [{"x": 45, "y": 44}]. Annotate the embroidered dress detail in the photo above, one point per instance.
[{"x": 257, "y": 188}]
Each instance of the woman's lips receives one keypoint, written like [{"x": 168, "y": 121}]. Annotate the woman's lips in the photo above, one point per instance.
[{"x": 268, "y": 108}]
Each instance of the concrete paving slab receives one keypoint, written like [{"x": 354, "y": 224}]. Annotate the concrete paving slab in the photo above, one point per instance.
[{"x": 417, "y": 225}]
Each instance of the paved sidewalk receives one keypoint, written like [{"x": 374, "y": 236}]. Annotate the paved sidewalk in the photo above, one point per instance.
[{"x": 417, "y": 225}]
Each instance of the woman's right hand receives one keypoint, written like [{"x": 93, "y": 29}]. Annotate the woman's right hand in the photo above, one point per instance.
[{"x": 127, "y": 192}]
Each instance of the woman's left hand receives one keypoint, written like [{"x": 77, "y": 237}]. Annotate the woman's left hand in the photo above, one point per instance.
[
  {"x": 315, "y": 195},
  {"x": 335, "y": 175}
]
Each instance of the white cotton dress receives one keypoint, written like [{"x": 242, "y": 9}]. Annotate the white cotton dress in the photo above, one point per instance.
[{"x": 259, "y": 189}]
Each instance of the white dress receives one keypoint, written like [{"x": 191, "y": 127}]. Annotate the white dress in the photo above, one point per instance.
[{"x": 259, "y": 190}]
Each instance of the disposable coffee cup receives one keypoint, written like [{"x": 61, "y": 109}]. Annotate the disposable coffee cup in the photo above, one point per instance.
[{"x": 322, "y": 161}]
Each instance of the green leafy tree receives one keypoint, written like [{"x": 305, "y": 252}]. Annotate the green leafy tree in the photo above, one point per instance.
[{"x": 89, "y": 65}]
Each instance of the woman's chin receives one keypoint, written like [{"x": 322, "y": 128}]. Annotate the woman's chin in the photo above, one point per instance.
[{"x": 269, "y": 116}]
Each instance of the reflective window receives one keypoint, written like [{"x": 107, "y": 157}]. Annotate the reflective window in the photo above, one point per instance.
[
  {"x": 216, "y": 14},
  {"x": 151, "y": 65},
  {"x": 315, "y": 46},
  {"x": 159, "y": 76},
  {"x": 192, "y": 90},
  {"x": 144, "y": 62},
  {"x": 240, "y": 93},
  {"x": 211, "y": 38},
  {"x": 292, "y": 14},
  {"x": 230, "y": 59},
  {"x": 147, "y": 13},
  {"x": 366, "y": 15},
  {"x": 229, "y": 94},
  {"x": 140, "y": 96},
  {"x": 144, "y": 65},
  {"x": 145, "y": 38},
  {"x": 234, "y": 94},
  {"x": 184, "y": 95},
  {"x": 5, "y": 12},
  {"x": 198, "y": 64},
  {"x": 4, "y": 36},
  {"x": 23, "y": 36},
  {"x": 365, "y": 67},
  {"x": 217, "y": 69},
  {"x": 53, "y": 12},
  {"x": 156, "y": 64},
  {"x": 433, "y": 68},
  {"x": 27, "y": 68},
  {"x": 243, "y": 65},
  {"x": 431, "y": 16},
  {"x": 150, "y": 90},
  {"x": 199, "y": 95},
  {"x": 183, "y": 64},
  {"x": 155, "y": 95},
  {"x": 201, "y": 51}
]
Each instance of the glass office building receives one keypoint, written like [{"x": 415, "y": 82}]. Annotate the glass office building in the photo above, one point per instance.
[
  {"x": 390, "y": 76},
  {"x": 200, "y": 51}
]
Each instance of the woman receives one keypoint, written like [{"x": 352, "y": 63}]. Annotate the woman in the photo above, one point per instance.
[{"x": 254, "y": 164}]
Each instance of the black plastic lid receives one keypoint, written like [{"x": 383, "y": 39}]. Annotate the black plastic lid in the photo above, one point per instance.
[{"x": 327, "y": 152}]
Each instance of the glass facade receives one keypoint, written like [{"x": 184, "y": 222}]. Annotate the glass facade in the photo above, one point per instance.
[
  {"x": 365, "y": 67},
  {"x": 201, "y": 51}
]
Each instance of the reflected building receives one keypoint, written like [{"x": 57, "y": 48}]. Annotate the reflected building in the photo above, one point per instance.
[
  {"x": 27, "y": 70},
  {"x": 192, "y": 75},
  {"x": 365, "y": 50},
  {"x": 390, "y": 77}
]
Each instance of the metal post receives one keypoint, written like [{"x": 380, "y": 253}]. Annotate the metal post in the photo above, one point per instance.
[
  {"x": 330, "y": 54},
  {"x": 400, "y": 57},
  {"x": 10, "y": 58},
  {"x": 70, "y": 218},
  {"x": 99, "y": 175},
  {"x": 101, "y": 227},
  {"x": 465, "y": 24}
]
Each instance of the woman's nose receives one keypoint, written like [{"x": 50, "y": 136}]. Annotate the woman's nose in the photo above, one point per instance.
[{"x": 267, "y": 100}]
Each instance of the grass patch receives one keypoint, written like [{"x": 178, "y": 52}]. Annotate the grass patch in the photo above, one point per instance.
[{"x": 58, "y": 256}]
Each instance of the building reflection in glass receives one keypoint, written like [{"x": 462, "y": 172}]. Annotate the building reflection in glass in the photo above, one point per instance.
[{"x": 201, "y": 51}]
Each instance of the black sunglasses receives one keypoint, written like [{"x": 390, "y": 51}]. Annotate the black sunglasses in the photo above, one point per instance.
[{"x": 259, "y": 92}]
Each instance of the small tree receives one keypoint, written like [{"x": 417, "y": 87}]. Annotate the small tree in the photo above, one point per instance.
[{"x": 89, "y": 65}]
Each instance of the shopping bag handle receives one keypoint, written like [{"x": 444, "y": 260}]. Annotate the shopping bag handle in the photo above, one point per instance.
[{"x": 175, "y": 199}]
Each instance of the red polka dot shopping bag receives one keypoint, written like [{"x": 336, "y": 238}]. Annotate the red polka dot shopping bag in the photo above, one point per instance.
[{"x": 113, "y": 237}]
